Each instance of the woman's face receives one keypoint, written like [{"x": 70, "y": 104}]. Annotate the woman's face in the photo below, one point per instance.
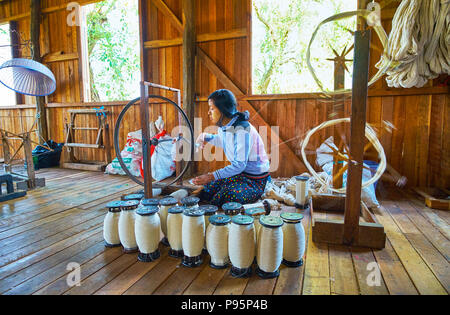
[{"x": 213, "y": 113}]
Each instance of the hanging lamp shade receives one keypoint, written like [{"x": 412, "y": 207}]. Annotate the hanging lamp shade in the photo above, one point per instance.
[{"x": 26, "y": 76}]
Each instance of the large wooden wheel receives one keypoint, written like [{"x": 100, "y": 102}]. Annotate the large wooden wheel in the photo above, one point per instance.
[
  {"x": 342, "y": 153},
  {"x": 185, "y": 139}
]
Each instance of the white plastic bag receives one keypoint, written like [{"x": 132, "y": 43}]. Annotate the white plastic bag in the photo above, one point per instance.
[{"x": 163, "y": 162}]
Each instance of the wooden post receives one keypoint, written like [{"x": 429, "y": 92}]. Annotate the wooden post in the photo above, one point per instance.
[
  {"x": 339, "y": 84},
  {"x": 189, "y": 52},
  {"x": 6, "y": 153},
  {"x": 40, "y": 101},
  {"x": 146, "y": 145},
  {"x": 357, "y": 132},
  {"x": 29, "y": 158},
  {"x": 15, "y": 50}
]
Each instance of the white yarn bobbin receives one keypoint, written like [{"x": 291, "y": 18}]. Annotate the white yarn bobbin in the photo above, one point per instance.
[
  {"x": 210, "y": 210},
  {"x": 111, "y": 225},
  {"x": 241, "y": 245},
  {"x": 179, "y": 194},
  {"x": 301, "y": 192},
  {"x": 217, "y": 241},
  {"x": 147, "y": 230},
  {"x": 293, "y": 240},
  {"x": 232, "y": 209},
  {"x": 126, "y": 226},
  {"x": 164, "y": 206},
  {"x": 193, "y": 233},
  {"x": 174, "y": 231},
  {"x": 132, "y": 197},
  {"x": 270, "y": 247}
]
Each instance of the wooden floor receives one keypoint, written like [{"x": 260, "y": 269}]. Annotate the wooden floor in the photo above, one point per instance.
[{"x": 51, "y": 227}]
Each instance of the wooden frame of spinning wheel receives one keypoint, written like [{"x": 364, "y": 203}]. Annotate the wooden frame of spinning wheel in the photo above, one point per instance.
[{"x": 351, "y": 231}]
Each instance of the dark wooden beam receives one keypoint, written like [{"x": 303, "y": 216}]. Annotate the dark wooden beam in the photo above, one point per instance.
[
  {"x": 189, "y": 52},
  {"x": 357, "y": 131},
  {"x": 36, "y": 18}
]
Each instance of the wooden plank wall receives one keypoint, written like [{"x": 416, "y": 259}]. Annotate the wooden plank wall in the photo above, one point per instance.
[{"x": 418, "y": 148}]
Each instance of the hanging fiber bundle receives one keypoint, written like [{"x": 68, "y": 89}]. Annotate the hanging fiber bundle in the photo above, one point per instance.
[{"x": 419, "y": 43}]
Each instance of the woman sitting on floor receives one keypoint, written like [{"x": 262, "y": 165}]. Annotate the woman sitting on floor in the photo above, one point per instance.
[{"x": 245, "y": 179}]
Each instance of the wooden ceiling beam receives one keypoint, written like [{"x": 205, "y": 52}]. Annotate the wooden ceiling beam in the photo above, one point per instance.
[{"x": 167, "y": 12}]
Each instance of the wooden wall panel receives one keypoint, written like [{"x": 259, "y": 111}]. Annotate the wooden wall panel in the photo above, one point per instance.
[{"x": 418, "y": 147}]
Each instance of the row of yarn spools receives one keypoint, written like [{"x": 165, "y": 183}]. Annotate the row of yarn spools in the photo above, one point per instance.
[{"x": 237, "y": 237}]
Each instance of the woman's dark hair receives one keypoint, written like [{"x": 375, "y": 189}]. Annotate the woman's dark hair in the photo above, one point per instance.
[{"x": 225, "y": 101}]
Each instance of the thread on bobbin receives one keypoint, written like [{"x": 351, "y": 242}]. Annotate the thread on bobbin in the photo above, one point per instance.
[
  {"x": 111, "y": 225},
  {"x": 241, "y": 245},
  {"x": 126, "y": 226},
  {"x": 193, "y": 237},
  {"x": 174, "y": 231},
  {"x": 293, "y": 240},
  {"x": 217, "y": 241},
  {"x": 147, "y": 230},
  {"x": 270, "y": 247}
]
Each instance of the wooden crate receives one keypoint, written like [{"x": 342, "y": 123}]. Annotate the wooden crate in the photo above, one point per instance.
[{"x": 325, "y": 230}]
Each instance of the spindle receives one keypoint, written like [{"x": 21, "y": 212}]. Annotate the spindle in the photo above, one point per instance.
[
  {"x": 232, "y": 208},
  {"x": 301, "y": 191}
]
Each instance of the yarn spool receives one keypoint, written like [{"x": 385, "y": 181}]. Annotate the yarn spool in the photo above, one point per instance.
[
  {"x": 301, "y": 192},
  {"x": 210, "y": 210},
  {"x": 147, "y": 230},
  {"x": 268, "y": 205},
  {"x": 174, "y": 231},
  {"x": 293, "y": 240},
  {"x": 111, "y": 225},
  {"x": 179, "y": 194},
  {"x": 190, "y": 202},
  {"x": 164, "y": 206},
  {"x": 132, "y": 197},
  {"x": 256, "y": 214},
  {"x": 217, "y": 241},
  {"x": 241, "y": 245},
  {"x": 126, "y": 226},
  {"x": 270, "y": 247},
  {"x": 232, "y": 208},
  {"x": 193, "y": 233}
]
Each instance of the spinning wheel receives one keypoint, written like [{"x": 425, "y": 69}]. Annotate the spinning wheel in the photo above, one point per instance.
[
  {"x": 366, "y": 14},
  {"x": 342, "y": 154},
  {"x": 183, "y": 140}
]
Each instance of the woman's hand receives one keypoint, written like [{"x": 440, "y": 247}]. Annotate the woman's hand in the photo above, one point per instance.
[
  {"x": 203, "y": 180},
  {"x": 200, "y": 143}
]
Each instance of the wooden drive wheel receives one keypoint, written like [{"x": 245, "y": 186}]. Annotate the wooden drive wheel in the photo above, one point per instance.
[
  {"x": 184, "y": 140},
  {"x": 341, "y": 155}
]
